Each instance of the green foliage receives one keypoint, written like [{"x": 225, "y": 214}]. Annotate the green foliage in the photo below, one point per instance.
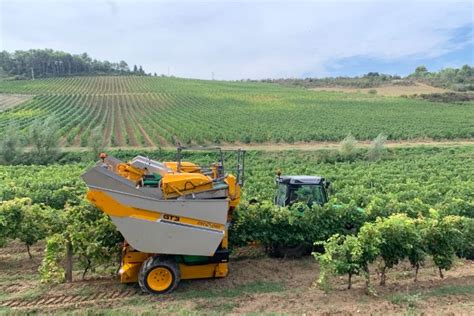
[
  {"x": 400, "y": 240},
  {"x": 395, "y": 239},
  {"x": 342, "y": 255},
  {"x": 413, "y": 181},
  {"x": 154, "y": 111},
  {"x": 50, "y": 185},
  {"x": 460, "y": 79},
  {"x": 457, "y": 206},
  {"x": 420, "y": 72},
  {"x": 10, "y": 144},
  {"x": 44, "y": 138},
  {"x": 11, "y": 215},
  {"x": 292, "y": 226},
  {"x": 443, "y": 238},
  {"x": 28, "y": 222},
  {"x": 38, "y": 63},
  {"x": 417, "y": 252},
  {"x": 35, "y": 224},
  {"x": 94, "y": 238},
  {"x": 465, "y": 249},
  {"x": 370, "y": 239},
  {"x": 50, "y": 269},
  {"x": 349, "y": 255}
]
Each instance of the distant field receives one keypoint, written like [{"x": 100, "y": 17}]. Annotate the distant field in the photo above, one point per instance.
[
  {"x": 390, "y": 91},
  {"x": 11, "y": 100},
  {"x": 151, "y": 111}
]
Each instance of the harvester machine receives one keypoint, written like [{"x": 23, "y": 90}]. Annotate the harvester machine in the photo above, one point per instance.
[{"x": 174, "y": 216}]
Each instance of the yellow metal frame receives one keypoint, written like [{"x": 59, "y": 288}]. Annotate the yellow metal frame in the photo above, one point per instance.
[{"x": 132, "y": 260}]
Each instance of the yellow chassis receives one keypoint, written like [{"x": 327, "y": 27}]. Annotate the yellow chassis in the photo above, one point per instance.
[{"x": 132, "y": 261}]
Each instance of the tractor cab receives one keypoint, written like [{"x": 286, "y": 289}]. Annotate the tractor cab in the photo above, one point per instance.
[{"x": 306, "y": 189}]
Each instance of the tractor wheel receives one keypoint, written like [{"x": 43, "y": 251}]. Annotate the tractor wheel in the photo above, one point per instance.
[{"x": 159, "y": 275}]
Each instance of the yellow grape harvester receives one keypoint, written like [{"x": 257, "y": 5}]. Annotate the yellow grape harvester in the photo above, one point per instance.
[{"x": 174, "y": 216}]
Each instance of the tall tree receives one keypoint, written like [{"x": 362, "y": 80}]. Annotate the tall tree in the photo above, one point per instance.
[{"x": 47, "y": 62}]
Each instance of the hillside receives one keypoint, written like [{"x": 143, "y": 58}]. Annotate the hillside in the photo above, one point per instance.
[{"x": 157, "y": 111}]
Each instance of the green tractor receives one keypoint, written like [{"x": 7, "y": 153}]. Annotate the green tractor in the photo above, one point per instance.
[{"x": 309, "y": 190}]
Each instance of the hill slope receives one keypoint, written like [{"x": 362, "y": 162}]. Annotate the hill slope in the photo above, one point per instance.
[{"x": 151, "y": 111}]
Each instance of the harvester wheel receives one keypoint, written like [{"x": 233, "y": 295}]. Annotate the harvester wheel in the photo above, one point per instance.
[{"x": 159, "y": 275}]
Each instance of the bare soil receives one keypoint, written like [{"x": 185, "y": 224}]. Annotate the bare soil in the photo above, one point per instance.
[
  {"x": 308, "y": 146},
  {"x": 10, "y": 100},
  {"x": 390, "y": 90},
  {"x": 256, "y": 284}
]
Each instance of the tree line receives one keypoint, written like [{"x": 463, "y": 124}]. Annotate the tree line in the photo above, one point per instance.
[
  {"x": 42, "y": 63},
  {"x": 459, "y": 79}
]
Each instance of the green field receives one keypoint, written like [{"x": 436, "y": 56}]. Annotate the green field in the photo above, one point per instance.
[
  {"x": 422, "y": 177},
  {"x": 415, "y": 200},
  {"x": 421, "y": 182},
  {"x": 155, "y": 111}
]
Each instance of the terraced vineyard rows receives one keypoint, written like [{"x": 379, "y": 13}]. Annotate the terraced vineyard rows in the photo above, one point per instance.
[
  {"x": 11, "y": 100},
  {"x": 150, "y": 111}
]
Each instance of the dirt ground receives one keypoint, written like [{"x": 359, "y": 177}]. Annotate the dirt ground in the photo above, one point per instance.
[
  {"x": 308, "y": 146},
  {"x": 389, "y": 91},
  {"x": 10, "y": 100},
  {"x": 256, "y": 284}
]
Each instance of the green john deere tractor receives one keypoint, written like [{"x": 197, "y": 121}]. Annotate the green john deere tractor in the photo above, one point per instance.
[{"x": 309, "y": 190}]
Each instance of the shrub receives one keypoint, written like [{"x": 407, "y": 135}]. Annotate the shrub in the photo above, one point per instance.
[
  {"x": 349, "y": 255},
  {"x": 377, "y": 147},
  {"x": 399, "y": 240},
  {"x": 348, "y": 148},
  {"x": 342, "y": 255},
  {"x": 11, "y": 215},
  {"x": 21, "y": 219},
  {"x": 43, "y": 136},
  {"x": 443, "y": 238},
  {"x": 466, "y": 247},
  {"x": 293, "y": 226},
  {"x": 85, "y": 232},
  {"x": 50, "y": 269},
  {"x": 10, "y": 145}
]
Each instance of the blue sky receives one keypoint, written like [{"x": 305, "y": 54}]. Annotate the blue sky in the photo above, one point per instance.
[{"x": 249, "y": 39}]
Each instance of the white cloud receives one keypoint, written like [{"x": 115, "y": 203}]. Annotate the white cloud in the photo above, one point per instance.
[{"x": 237, "y": 40}]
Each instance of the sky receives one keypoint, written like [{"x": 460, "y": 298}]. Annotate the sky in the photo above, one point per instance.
[{"x": 232, "y": 40}]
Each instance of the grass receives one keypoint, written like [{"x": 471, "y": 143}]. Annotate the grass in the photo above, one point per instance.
[
  {"x": 413, "y": 298},
  {"x": 210, "y": 302},
  {"x": 27, "y": 295},
  {"x": 239, "y": 290},
  {"x": 451, "y": 290},
  {"x": 406, "y": 299}
]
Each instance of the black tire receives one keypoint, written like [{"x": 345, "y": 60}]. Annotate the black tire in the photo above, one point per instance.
[{"x": 158, "y": 262}]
